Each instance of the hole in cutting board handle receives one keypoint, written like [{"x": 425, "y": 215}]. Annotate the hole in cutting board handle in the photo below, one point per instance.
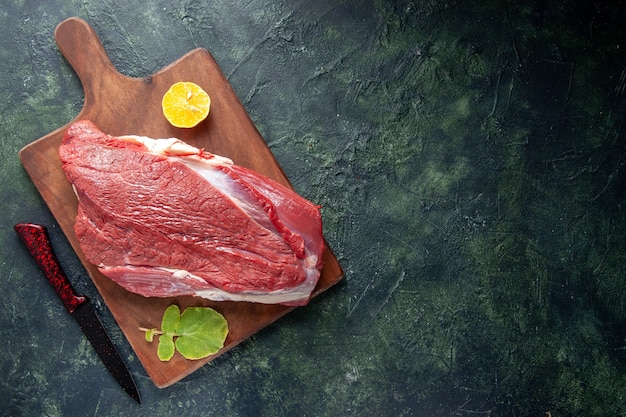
[{"x": 82, "y": 48}]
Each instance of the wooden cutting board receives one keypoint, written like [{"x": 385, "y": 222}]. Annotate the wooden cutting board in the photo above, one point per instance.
[{"x": 125, "y": 105}]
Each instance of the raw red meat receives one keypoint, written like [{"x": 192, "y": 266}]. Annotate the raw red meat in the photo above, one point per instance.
[{"x": 163, "y": 218}]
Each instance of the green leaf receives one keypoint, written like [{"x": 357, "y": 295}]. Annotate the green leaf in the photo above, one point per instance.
[
  {"x": 165, "y": 351},
  {"x": 170, "y": 320},
  {"x": 201, "y": 332},
  {"x": 196, "y": 333},
  {"x": 150, "y": 334}
]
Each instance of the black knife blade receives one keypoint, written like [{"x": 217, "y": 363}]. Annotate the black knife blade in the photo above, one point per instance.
[{"x": 35, "y": 238}]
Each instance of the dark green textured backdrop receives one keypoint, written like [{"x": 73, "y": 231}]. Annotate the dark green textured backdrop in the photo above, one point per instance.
[{"x": 469, "y": 158}]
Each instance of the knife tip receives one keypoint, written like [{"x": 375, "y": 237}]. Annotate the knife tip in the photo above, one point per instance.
[{"x": 134, "y": 394}]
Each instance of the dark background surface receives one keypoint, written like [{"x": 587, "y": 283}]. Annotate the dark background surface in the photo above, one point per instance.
[{"x": 469, "y": 158}]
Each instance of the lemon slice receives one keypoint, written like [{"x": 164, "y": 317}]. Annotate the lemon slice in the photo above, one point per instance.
[{"x": 185, "y": 104}]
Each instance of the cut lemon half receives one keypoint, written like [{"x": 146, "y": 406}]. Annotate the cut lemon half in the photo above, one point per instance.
[{"x": 185, "y": 104}]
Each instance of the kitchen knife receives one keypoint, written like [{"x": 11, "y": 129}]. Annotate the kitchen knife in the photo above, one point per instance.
[{"x": 35, "y": 238}]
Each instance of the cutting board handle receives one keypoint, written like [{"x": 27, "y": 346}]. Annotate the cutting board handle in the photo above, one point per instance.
[{"x": 82, "y": 48}]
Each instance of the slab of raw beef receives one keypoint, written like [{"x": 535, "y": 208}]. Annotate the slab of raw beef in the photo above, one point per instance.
[{"x": 163, "y": 218}]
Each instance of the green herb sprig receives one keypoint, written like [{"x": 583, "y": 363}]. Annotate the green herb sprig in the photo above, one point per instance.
[{"x": 196, "y": 333}]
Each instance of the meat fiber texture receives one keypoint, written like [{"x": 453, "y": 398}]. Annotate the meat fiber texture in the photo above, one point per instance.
[{"x": 163, "y": 218}]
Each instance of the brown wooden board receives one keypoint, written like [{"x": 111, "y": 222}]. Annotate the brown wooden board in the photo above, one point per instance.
[{"x": 125, "y": 105}]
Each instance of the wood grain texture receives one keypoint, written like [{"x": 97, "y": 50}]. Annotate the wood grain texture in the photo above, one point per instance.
[{"x": 125, "y": 105}]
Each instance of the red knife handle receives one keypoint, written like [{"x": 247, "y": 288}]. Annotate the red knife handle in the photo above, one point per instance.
[{"x": 35, "y": 238}]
